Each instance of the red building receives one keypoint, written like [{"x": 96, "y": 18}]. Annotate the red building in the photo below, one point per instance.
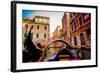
[
  {"x": 77, "y": 29},
  {"x": 66, "y": 29},
  {"x": 80, "y": 29}
]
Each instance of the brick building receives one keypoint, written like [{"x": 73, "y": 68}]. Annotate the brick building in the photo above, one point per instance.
[
  {"x": 66, "y": 29},
  {"x": 77, "y": 29},
  {"x": 80, "y": 29}
]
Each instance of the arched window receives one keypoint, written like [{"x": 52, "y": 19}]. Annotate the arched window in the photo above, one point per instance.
[
  {"x": 80, "y": 21},
  {"x": 26, "y": 26},
  {"x": 82, "y": 39},
  {"x": 75, "y": 40},
  {"x": 45, "y": 28},
  {"x": 73, "y": 26},
  {"x": 38, "y": 27}
]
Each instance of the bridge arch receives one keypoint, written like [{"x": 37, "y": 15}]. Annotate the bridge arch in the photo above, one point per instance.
[{"x": 59, "y": 40}]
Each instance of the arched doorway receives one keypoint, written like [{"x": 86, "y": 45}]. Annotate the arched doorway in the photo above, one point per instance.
[
  {"x": 82, "y": 39},
  {"x": 75, "y": 41}
]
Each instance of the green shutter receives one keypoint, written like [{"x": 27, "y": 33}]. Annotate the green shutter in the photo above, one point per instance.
[
  {"x": 37, "y": 35},
  {"x": 44, "y": 35}
]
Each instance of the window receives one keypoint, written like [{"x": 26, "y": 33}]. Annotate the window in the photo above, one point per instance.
[
  {"x": 37, "y": 35},
  {"x": 75, "y": 40},
  {"x": 45, "y": 28},
  {"x": 82, "y": 39},
  {"x": 88, "y": 32},
  {"x": 44, "y": 35},
  {"x": 37, "y": 27},
  {"x": 73, "y": 26},
  {"x": 80, "y": 21},
  {"x": 26, "y": 26}
]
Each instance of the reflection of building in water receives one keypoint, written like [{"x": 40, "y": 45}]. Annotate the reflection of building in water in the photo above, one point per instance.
[
  {"x": 41, "y": 28},
  {"x": 79, "y": 30}
]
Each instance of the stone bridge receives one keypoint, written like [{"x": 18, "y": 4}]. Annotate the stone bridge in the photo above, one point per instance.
[{"x": 59, "y": 40}]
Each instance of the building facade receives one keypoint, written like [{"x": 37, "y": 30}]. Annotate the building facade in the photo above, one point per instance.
[
  {"x": 57, "y": 34},
  {"x": 66, "y": 28},
  {"x": 77, "y": 29},
  {"x": 41, "y": 28},
  {"x": 80, "y": 29}
]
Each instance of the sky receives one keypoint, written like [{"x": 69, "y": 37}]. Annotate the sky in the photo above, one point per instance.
[{"x": 55, "y": 17}]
